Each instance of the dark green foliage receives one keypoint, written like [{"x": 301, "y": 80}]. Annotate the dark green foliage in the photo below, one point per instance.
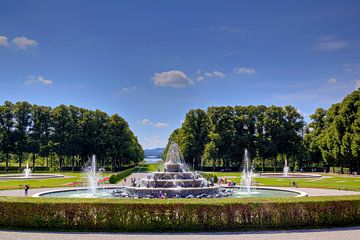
[
  {"x": 220, "y": 135},
  {"x": 120, "y": 176},
  {"x": 179, "y": 215},
  {"x": 65, "y": 135}
]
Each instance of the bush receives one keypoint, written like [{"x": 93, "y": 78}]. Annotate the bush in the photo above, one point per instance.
[
  {"x": 179, "y": 214},
  {"x": 120, "y": 176},
  {"x": 208, "y": 176}
]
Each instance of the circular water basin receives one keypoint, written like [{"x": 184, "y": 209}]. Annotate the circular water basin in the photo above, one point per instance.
[{"x": 236, "y": 192}]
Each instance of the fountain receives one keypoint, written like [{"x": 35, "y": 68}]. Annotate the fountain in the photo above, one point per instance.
[
  {"x": 247, "y": 174},
  {"x": 27, "y": 171},
  {"x": 93, "y": 176},
  {"x": 286, "y": 169},
  {"x": 174, "y": 181}
]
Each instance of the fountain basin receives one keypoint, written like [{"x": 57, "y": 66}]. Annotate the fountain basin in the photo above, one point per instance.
[
  {"x": 289, "y": 175},
  {"x": 231, "y": 192},
  {"x": 32, "y": 176},
  {"x": 171, "y": 192}
]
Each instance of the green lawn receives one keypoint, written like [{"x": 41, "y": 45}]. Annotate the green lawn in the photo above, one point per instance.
[
  {"x": 149, "y": 167},
  {"x": 329, "y": 181},
  {"x": 46, "y": 183}
]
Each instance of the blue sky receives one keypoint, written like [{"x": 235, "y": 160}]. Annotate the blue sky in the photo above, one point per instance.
[{"x": 152, "y": 61}]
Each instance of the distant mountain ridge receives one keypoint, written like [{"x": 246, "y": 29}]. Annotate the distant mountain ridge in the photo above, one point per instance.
[{"x": 158, "y": 152}]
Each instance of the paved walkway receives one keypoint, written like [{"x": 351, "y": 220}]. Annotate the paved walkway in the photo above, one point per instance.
[{"x": 323, "y": 234}]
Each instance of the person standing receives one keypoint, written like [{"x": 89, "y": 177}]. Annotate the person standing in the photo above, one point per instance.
[{"x": 27, "y": 186}]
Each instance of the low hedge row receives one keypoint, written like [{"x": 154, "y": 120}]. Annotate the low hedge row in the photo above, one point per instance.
[
  {"x": 120, "y": 176},
  {"x": 179, "y": 214}
]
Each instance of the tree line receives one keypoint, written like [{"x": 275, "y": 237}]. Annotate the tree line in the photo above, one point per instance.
[
  {"x": 220, "y": 135},
  {"x": 65, "y": 135},
  {"x": 333, "y": 136}
]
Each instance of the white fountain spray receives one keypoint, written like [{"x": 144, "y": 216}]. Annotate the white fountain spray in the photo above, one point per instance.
[
  {"x": 247, "y": 174},
  {"x": 27, "y": 171},
  {"x": 93, "y": 177},
  {"x": 286, "y": 169}
]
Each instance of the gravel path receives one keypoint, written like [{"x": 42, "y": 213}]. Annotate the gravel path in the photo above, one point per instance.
[{"x": 323, "y": 234}]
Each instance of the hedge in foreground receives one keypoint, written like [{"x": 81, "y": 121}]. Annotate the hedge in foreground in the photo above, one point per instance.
[
  {"x": 179, "y": 215},
  {"x": 120, "y": 176}
]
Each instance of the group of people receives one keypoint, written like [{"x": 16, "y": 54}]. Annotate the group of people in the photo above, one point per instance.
[{"x": 229, "y": 183}]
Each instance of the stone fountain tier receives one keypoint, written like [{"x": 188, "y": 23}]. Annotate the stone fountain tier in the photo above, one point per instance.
[
  {"x": 173, "y": 175},
  {"x": 172, "y": 167},
  {"x": 165, "y": 183},
  {"x": 144, "y": 192}
]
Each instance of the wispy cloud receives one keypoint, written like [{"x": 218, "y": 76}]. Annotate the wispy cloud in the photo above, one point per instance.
[
  {"x": 4, "y": 41},
  {"x": 161, "y": 125},
  {"x": 230, "y": 30},
  {"x": 357, "y": 84},
  {"x": 38, "y": 80},
  {"x": 23, "y": 42},
  {"x": 329, "y": 44},
  {"x": 124, "y": 90},
  {"x": 148, "y": 122},
  {"x": 244, "y": 70},
  {"x": 145, "y": 122},
  {"x": 153, "y": 142},
  {"x": 172, "y": 78},
  {"x": 332, "y": 80},
  {"x": 200, "y": 76}
]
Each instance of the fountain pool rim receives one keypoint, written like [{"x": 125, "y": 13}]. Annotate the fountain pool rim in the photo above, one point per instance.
[
  {"x": 33, "y": 176},
  {"x": 298, "y": 192},
  {"x": 290, "y": 175}
]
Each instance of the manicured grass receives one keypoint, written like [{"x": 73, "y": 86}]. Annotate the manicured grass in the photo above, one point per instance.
[
  {"x": 149, "y": 167},
  {"x": 69, "y": 178},
  {"x": 329, "y": 181}
]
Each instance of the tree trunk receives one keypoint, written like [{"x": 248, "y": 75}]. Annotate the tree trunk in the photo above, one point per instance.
[
  {"x": 214, "y": 164},
  {"x": 274, "y": 164},
  {"x": 33, "y": 160},
  {"x": 20, "y": 161},
  {"x": 7, "y": 162},
  {"x": 72, "y": 163},
  {"x": 263, "y": 164}
]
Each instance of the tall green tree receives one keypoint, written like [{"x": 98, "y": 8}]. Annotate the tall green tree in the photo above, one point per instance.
[
  {"x": 22, "y": 114},
  {"x": 7, "y": 137}
]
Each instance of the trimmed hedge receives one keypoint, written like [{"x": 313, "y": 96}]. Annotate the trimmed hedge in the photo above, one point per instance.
[
  {"x": 120, "y": 176},
  {"x": 179, "y": 214}
]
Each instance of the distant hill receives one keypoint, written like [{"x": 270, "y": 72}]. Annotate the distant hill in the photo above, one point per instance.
[{"x": 157, "y": 152}]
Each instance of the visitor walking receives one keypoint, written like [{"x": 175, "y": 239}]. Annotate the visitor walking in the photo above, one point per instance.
[{"x": 27, "y": 186}]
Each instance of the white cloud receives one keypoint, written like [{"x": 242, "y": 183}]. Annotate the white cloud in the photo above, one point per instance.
[
  {"x": 153, "y": 142},
  {"x": 199, "y": 78},
  {"x": 4, "y": 41},
  {"x": 124, "y": 89},
  {"x": 357, "y": 84},
  {"x": 332, "y": 80},
  {"x": 172, "y": 78},
  {"x": 244, "y": 70},
  {"x": 145, "y": 121},
  {"x": 38, "y": 80},
  {"x": 214, "y": 74},
  {"x": 148, "y": 122},
  {"x": 329, "y": 44},
  {"x": 161, "y": 125},
  {"x": 24, "y": 43}
]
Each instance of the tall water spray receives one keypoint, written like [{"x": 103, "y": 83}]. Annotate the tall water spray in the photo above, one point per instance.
[
  {"x": 174, "y": 155},
  {"x": 93, "y": 176},
  {"x": 27, "y": 171},
  {"x": 286, "y": 169},
  {"x": 247, "y": 174}
]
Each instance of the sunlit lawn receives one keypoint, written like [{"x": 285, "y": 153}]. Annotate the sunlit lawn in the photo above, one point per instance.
[
  {"x": 330, "y": 181},
  {"x": 69, "y": 178}
]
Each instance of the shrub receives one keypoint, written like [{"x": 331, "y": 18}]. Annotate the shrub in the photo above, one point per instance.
[
  {"x": 208, "y": 176},
  {"x": 179, "y": 214},
  {"x": 120, "y": 176}
]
